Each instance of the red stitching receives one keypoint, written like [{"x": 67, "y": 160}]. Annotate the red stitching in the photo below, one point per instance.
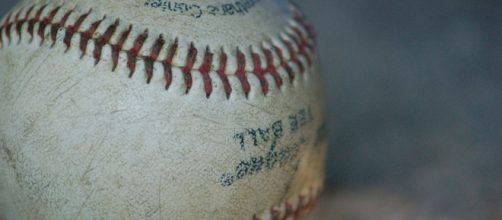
[
  {"x": 1, "y": 36},
  {"x": 241, "y": 72},
  {"x": 100, "y": 42},
  {"x": 288, "y": 210},
  {"x": 301, "y": 202},
  {"x": 16, "y": 22},
  {"x": 118, "y": 46},
  {"x": 291, "y": 212},
  {"x": 204, "y": 70},
  {"x": 300, "y": 18},
  {"x": 298, "y": 43},
  {"x": 303, "y": 44},
  {"x": 271, "y": 68},
  {"x": 71, "y": 30},
  {"x": 46, "y": 21},
  {"x": 284, "y": 64},
  {"x": 190, "y": 61},
  {"x": 20, "y": 23},
  {"x": 293, "y": 55},
  {"x": 133, "y": 53},
  {"x": 167, "y": 63},
  {"x": 222, "y": 74},
  {"x": 154, "y": 54},
  {"x": 33, "y": 21},
  {"x": 276, "y": 213},
  {"x": 57, "y": 26},
  {"x": 87, "y": 35},
  {"x": 7, "y": 26},
  {"x": 259, "y": 72}
]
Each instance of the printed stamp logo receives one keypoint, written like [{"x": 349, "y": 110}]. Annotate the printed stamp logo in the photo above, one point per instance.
[
  {"x": 240, "y": 7},
  {"x": 270, "y": 136}
]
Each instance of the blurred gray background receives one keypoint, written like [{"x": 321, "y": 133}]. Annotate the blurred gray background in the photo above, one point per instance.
[{"x": 415, "y": 91}]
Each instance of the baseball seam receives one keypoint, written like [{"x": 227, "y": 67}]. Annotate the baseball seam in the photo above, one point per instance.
[
  {"x": 291, "y": 51},
  {"x": 296, "y": 208}
]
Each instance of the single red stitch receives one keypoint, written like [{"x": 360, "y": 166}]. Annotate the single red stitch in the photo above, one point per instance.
[
  {"x": 301, "y": 206},
  {"x": 31, "y": 22},
  {"x": 204, "y": 70},
  {"x": 241, "y": 72},
  {"x": 259, "y": 72},
  {"x": 295, "y": 40},
  {"x": 132, "y": 54},
  {"x": 4, "y": 27},
  {"x": 7, "y": 26},
  {"x": 154, "y": 54},
  {"x": 301, "y": 38},
  {"x": 289, "y": 211},
  {"x": 222, "y": 75},
  {"x": 299, "y": 17},
  {"x": 157, "y": 47},
  {"x": 116, "y": 48},
  {"x": 308, "y": 26},
  {"x": 293, "y": 56},
  {"x": 57, "y": 26},
  {"x": 271, "y": 67},
  {"x": 86, "y": 36},
  {"x": 18, "y": 14},
  {"x": 311, "y": 30},
  {"x": 16, "y": 22},
  {"x": 168, "y": 74},
  {"x": 46, "y": 21},
  {"x": 27, "y": 15},
  {"x": 190, "y": 61},
  {"x": 100, "y": 42},
  {"x": 303, "y": 45},
  {"x": 312, "y": 201},
  {"x": 72, "y": 29},
  {"x": 275, "y": 213},
  {"x": 20, "y": 23},
  {"x": 284, "y": 64},
  {"x": 1, "y": 34}
]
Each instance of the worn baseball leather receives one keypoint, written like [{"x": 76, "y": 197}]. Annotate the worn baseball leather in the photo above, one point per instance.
[{"x": 148, "y": 109}]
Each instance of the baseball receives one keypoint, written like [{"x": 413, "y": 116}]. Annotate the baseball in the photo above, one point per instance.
[{"x": 159, "y": 109}]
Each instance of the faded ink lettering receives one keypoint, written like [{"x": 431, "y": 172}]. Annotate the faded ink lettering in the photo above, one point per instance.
[
  {"x": 260, "y": 136},
  {"x": 255, "y": 165},
  {"x": 269, "y": 137},
  {"x": 240, "y": 7}
]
